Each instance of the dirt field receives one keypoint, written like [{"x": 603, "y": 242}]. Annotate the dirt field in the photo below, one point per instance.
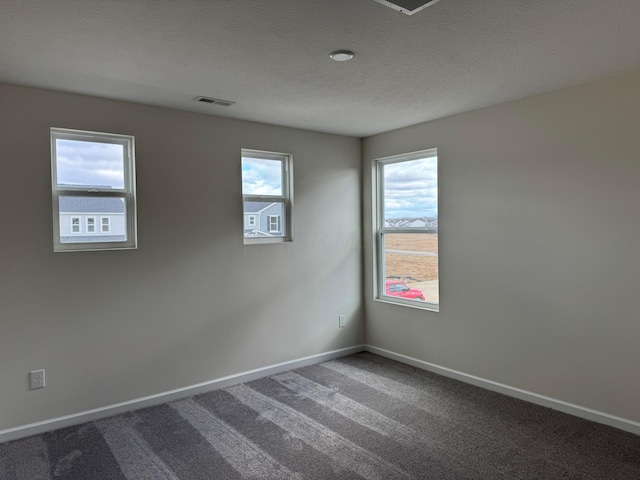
[
  {"x": 425, "y": 242},
  {"x": 411, "y": 268}
]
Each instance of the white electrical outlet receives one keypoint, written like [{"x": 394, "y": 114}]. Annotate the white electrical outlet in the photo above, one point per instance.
[
  {"x": 342, "y": 320},
  {"x": 36, "y": 378}
]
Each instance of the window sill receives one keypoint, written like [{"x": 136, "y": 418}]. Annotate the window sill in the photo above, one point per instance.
[
  {"x": 255, "y": 241},
  {"x": 91, "y": 247},
  {"x": 420, "y": 305}
]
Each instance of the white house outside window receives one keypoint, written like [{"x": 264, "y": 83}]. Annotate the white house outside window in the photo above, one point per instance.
[
  {"x": 267, "y": 194},
  {"x": 406, "y": 224},
  {"x": 93, "y": 177}
]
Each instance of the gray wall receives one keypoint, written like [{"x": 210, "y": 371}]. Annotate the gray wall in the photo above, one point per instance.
[
  {"x": 192, "y": 303},
  {"x": 539, "y": 246}
]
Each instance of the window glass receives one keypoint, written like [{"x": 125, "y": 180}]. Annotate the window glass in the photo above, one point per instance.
[
  {"x": 89, "y": 164},
  {"x": 72, "y": 206},
  {"x": 411, "y": 193},
  {"x": 412, "y": 258},
  {"x": 261, "y": 176}
]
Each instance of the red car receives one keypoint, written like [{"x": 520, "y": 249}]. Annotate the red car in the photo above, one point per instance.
[{"x": 399, "y": 289}]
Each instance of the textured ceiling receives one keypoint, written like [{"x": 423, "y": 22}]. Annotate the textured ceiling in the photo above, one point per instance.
[{"x": 271, "y": 57}]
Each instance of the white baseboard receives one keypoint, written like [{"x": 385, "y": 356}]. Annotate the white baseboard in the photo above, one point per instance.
[
  {"x": 109, "y": 410},
  {"x": 102, "y": 412},
  {"x": 576, "y": 410}
]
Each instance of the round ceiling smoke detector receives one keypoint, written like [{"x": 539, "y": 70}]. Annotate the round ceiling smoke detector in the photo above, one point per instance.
[{"x": 341, "y": 55}]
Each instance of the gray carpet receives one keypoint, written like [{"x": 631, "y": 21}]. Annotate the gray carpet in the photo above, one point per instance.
[{"x": 360, "y": 417}]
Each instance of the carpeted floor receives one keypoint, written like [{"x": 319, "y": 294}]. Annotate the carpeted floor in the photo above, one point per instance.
[{"x": 359, "y": 417}]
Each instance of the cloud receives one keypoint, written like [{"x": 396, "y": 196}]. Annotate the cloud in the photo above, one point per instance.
[
  {"x": 89, "y": 163},
  {"x": 261, "y": 177},
  {"x": 411, "y": 189}
]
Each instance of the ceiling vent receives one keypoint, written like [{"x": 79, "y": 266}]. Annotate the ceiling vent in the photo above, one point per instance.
[
  {"x": 214, "y": 101},
  {"x": 408, "y": 7}
]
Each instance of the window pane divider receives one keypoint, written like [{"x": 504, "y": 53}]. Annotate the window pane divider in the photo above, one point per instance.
[
  {"x": 89, "y": 193},
  {"x": 409, "y": 230},
  {"x": 261, "y": 198}
]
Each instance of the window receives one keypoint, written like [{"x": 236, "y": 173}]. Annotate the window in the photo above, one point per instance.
[
  {"x": 274, "y": 223},
  {"x": 92, "y": 176},
  {"x": 267, "y": 195},
  {"x": 75, "y": 224},
  {"x": 91, "y": 224},
  {"x": 406, "y": 224},
  {"x": 105, "y": 225}
]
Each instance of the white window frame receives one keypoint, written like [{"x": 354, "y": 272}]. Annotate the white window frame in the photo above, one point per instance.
[
  {"x": 270, "y": 219},
  {"x": 380, "y": 229},
  {"x": 71, "y": 219},
  {"x": 87, "y": 224},
  {"x": 251, "y": 220},
  {"x": 102, "y": 225},
  {"x": 128, "y": 192},
  {"x": 285, "y": 234}
]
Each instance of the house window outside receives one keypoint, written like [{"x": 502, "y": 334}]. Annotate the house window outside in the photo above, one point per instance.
[
  {"x": 406, "y": 228},
  {"x": 274, "y": 223},
  {"x": 91, "y": 224},
  {"x": 93, "y": 176},
  {"x": 267, "y": 193}
]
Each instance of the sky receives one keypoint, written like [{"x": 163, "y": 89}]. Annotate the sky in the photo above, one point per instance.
[
  {"x": 89, "y": 163},
  {"x": 261, "y": 177},
  {"x": 411, "y": 189}
]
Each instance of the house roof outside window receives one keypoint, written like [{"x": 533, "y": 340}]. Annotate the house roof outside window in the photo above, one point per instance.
[
  {"x": 91, "y": 205},
  {"x": 256, "y": 207}
]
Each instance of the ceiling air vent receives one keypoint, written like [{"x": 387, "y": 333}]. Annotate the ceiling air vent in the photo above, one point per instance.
[
  {"x": 214, "y": 101},
  {"x": 408, "y": 7}
]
